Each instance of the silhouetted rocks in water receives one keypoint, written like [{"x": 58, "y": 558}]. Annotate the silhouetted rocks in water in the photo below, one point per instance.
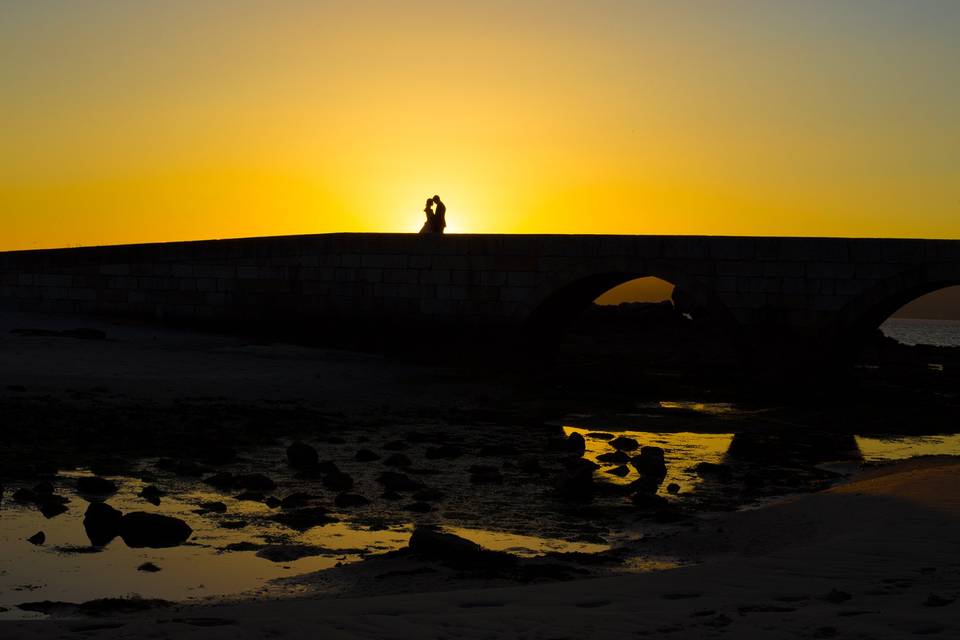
[
  {"x": 575, "y": 443},
  {"x": 95, "y": 485},
  {"x": 213, "y": 507},
  {"x": 151, "y": 494},
  {"x": 102, "y": 523},
  {"x": 598, "y": 435},
  {"x": 41, "y": 496},
  {"x": 349, "y": 500},
  {"x": 338, "y": 481},
  {"x": 673, "y": 488},
  {"x": 443, "y": 452},
  {"x": 650, "y": 462},
  {"x": 148, "y": 567},
  {"x": 485, "y": 474},
  {"x": 250, "y": 496},
  {"x": 398, "y": 460},
  {"x": 456, "y": 552},
  {"x": 366, "y": 455},
  {"x": 615, "y": 457},
  {"x": 301, "y": 455},
  {"x": 140, "y": 529},
  {"x": 288, "y": 552},
  {"x": 222, "y": 480},
  {"x": 38, "y": 538},
  {"x": 620, "y": 471},
  {"x": 303, "y": 519},
  {"x": 646, "y": 484},
  {"x": 399, "y": 482},
  {"x": 623, "y": 443}
]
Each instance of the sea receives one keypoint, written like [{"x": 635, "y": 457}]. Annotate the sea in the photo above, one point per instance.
[{"x": 939, "y": 333}]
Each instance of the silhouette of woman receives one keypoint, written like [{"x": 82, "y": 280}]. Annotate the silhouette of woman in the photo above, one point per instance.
[{"x": 428, "y": 225}]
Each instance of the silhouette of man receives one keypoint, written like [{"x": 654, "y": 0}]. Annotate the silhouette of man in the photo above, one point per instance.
[{"x": 440, "y": 216}]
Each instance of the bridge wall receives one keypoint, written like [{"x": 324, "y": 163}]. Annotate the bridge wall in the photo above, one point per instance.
[{"x": 814, "y": 286}]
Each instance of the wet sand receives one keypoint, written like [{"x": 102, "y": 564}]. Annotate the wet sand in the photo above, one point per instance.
[{"x": 876, "y": 557}]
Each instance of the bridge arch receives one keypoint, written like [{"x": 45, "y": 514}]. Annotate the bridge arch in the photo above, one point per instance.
[
  {"x": 559, "y": 300},
  {"x": 869, "y": 310}
]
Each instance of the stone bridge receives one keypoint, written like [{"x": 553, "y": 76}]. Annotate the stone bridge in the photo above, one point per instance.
[{"x": 803, "y": 292}]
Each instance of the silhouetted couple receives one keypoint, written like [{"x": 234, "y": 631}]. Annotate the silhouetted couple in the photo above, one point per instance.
[{"x": 436, "y": 220}]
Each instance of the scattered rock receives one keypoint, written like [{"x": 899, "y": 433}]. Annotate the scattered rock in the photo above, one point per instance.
[
  {"x": 148, "y": 567},
  {"x": 43, "y": 488},
  {"x": 250, "y": 496},
  {"x": 101, "y": 523},
  {"x": 673, "y": 488},
  {"x": 296, "y": 500},
  {"x": 215, "y": 507},
  {"x": 233, "y": 524},
  {"x": 366, "y": 455},
  {"x": 242, "y": 546},
  {"x": 273, "y": 502},
  {"x": 288, "y": 552},
  {"x": 646, "y": 500},
  {"x": 348, "y": 500},
  {"x": 599, "y": 435},
  {"x": 623, "y": 443},
  {"x": 51, "y": 505},
  {"x": 455, "y": 551},
  {"x": 620, "y": 471},
  {"x": 711, "y": 469},
  {"x": 223, "y": 480},
  {"x": 575, "y": 443},
  {"x": 616, "y": 457},
  {"x": 151, "y": 494},
  {"x": 38, "y": 538},
  {"x": 189, "y": 469},
  {"x": 301, "y": 455},
  {"x": 24, "y": 495},
  {"x": 140, "y": 529},
  {"x": 398, "y": 460},
  {"x": 95, "y": 485}
]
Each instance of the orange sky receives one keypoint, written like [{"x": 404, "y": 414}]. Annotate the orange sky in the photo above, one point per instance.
[{"x": 134, "y": 122}]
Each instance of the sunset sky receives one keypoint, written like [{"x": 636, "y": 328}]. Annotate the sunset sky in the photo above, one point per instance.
[{"x": 127, "y": 121}]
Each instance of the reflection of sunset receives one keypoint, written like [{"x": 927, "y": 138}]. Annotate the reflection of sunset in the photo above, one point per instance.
[{"x": 137, "y": 122}]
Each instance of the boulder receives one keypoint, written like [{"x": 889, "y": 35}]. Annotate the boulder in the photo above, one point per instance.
[
  {"x": 151, "y": 494},
  {"x": 300, "y": 455},
  {"x": 141, "y": 529},
  {"x": 51, "y": 505},
  {"x": 650, "y": 462},
  {"x": 615, "y": 457},
  {"x": 673, "y": 488},
  {"x": 303, "y": 519},
  {"x": 620, "y": 471},
  {"x": 223, "y": 480},
  {"x": 297, "y": 500},
  {"x": 575, "y": 443},
  {"x": 456, "y": 552},
  {"x": 101, "y": 523},
  {"x": 255, "y": 482},
  {"x": 623, "y": 443},
  {"x": 95, "y": 485},
  {"x": 215, "y": 507},
  {"x": 38, "y": 538}
]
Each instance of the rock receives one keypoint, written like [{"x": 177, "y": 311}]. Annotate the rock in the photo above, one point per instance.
[
  {"x": 399, "y": 482},
  {"x": 623, "y": 443},
  {"x": 366, "y": 455},
  {"x": 24, "y": 495},
  {"x": 148, "y": 567},
  {"x": 616, "y": 457},
  {"x": 250, "y": 496},
  {"x": 296, "y": 500},
  {"x": 398, "y": 460},
  {"x": 650, "y": 462},
  {"x": 223, "y": 480},
  {"x": 620, "y": 471},
  {"x": 151, "y": 494},
  {"x": 101, "y": 523},
  {"x": 327, "y": 466},
  {"x": 38, "y": 538},
  {"x": 443, "y": 452},
  {"x": 300, "y": 455},
  {"x": 95, "y": 485},
  {"x": 338, "y": 481},
  {"x": 575, "y": 443},
  {"x": 288, "y": 552},
  {"x": 673, "y": 488},
  {"x": 646, "y": 484},
  {"x": 140, "y": 529},
  {"x": 273, "y": 502},
  {"x": 303, "y": 519},
  {"x": 348, "y": 500},
  {"x": 455, "y": 551},
  {"x": 396, "y": 445},
  {"x": 43, "y": 488},
  {"x": 233, "y": 524},
  {"x": 255, "y": 482},
  {"x": 485, "y": 474},
  {"x": 215, "y": 507},
  {"x": 596, "y": 435},
  {"x": 51, "y": 505}
]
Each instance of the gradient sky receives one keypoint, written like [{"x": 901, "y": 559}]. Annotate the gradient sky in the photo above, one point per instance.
[{"x": 126, "y": 121}]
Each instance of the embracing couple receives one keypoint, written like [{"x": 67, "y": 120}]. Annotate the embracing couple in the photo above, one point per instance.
[{"x": 436, "y": 220}]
